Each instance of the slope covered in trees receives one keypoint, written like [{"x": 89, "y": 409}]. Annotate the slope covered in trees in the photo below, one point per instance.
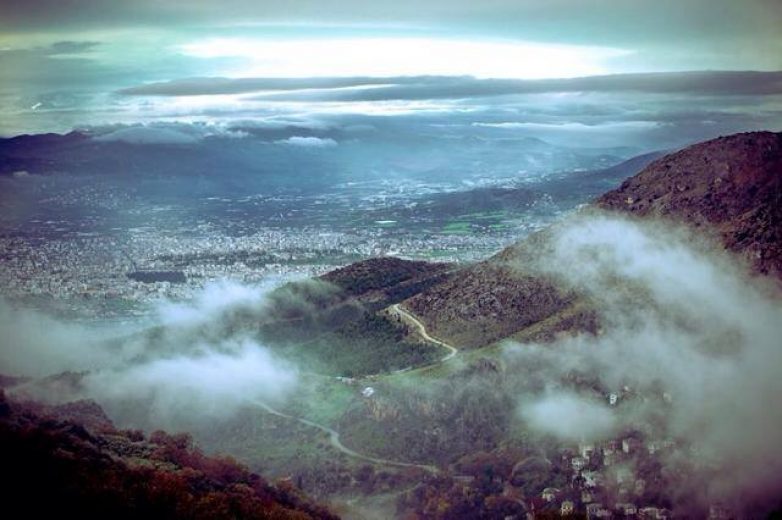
[{"x": 56, "y": 468}]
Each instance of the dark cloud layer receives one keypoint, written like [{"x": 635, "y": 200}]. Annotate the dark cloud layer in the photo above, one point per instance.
[
  {"x": 63, "y": 63},
  {"x": 217, "y": 86},
  {"x": 608, "y": 22},
  {"x": 71, "y": 47},
  {"x": 69, "y": 63},
  {"x": 726, "y": 83}
]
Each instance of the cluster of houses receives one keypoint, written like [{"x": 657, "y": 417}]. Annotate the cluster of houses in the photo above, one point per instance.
[{"x": 604, "y": 482}]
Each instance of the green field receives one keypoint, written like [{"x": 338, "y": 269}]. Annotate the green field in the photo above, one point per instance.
[{"x": 457, "y": 228}]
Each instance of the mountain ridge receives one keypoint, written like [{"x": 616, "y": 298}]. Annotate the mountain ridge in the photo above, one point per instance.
[
  {"x": 732, "y": 184},
  {"x": 729, "y": 187}
]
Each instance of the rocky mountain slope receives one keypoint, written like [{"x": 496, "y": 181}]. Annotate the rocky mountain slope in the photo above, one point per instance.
[
  {"x": 730, "y": 186},
  {"x": 386, "y": 280},
  {"x": 488, "y": 302}
]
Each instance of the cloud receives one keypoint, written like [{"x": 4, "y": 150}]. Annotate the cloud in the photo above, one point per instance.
[
  {"x": 691, "y": 30},
  {"x": 64, "y": 64},
  {"x": 198, "y": 361},
  {"x": 213, "y": 384},
  {"x": 570, "y": 416},
  {"x": 308, "y": 142},
  {"x": 215, "y": 300},
  {"x": 681, "y": 319},
  {"x": 574, "y": 128},
  {"x": 148, "y": 39},
  {"x": 70, "y": 47},
  {"x": 201, "y": 362},
  {"x": 223, "y": 86},
  {"x": 35, "y": 344},
  {"x": 147, "y": 135},
  {"x": 697, "y": 83}
]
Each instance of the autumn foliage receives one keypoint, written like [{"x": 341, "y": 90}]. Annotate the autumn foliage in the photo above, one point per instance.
[{"x": 53, "y": 468}]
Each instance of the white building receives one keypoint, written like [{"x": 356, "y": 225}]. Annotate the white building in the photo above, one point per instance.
[{"x": 586, "y": 449}]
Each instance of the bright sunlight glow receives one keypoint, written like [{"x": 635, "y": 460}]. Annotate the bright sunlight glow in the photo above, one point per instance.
[{"x": 404, "y": 57}]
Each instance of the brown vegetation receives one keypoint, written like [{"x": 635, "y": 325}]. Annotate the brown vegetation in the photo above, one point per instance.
[
  {"x": 57, "y": 468},
  {"x": 732, "y": 185}
]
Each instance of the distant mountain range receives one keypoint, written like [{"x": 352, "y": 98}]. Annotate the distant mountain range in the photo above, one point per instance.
[{"x": 243, "y": 160}]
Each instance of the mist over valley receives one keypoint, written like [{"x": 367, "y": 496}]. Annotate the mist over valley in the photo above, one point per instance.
[{"x": 422, "y": 261}]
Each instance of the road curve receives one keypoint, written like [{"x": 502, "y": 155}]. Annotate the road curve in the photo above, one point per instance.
[
  {"x": 452, "y": 351},
  {"x": 334, "y": 435},
  {"x": 337, "y": 444}
]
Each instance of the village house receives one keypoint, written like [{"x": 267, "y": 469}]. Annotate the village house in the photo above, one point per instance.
[
  {"x": 654, "y": 513},
  {"x": 627, "y": 509},
  {"x": 567, "y": 508},
  {"x": 578, "y": 463},
  {"x": 592, "y": 479},
  {"x": 549, "y": 494},
  {"x": 597, "y": 510},
  {"x": 586, "y": 450}
]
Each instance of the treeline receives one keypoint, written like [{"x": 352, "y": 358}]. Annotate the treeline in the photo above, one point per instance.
[
  {"x": 384, "y": 273},
  {"x": 325, "y": 329},
  {"x": 58, "y": 469},
  {"x": 349, "y": 340},
  {"x": 369, "y": 344},
  {"x": 446, "y": 498}
]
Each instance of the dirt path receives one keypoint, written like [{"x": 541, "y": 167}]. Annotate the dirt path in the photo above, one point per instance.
[
  {"x": 337, "y": 444},
  {"x": 410, "y": 318},
  {"x": 334, "y": 435}
]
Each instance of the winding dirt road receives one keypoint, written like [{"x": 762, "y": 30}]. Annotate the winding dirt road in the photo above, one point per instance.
[
  {"x": 334, "y": 435},
  {"x": 337, "y": 444},
  {"x": 408, "y": 316}
]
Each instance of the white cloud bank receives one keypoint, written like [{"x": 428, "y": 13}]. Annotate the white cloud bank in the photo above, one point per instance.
[
  {"x": 308, "y": 142},
  {"x": 198, "y": 362},
  {"x": 570, "y": 416},
  {"x": 679, "y": 319}
]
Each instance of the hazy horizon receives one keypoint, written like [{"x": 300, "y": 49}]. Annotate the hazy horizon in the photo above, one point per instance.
[
  {"x": 428, "y": 259},
  {"x": 648, "y": 74}
]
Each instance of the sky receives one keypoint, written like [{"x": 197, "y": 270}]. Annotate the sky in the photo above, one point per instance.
[{"x": 67, "y": 64}]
